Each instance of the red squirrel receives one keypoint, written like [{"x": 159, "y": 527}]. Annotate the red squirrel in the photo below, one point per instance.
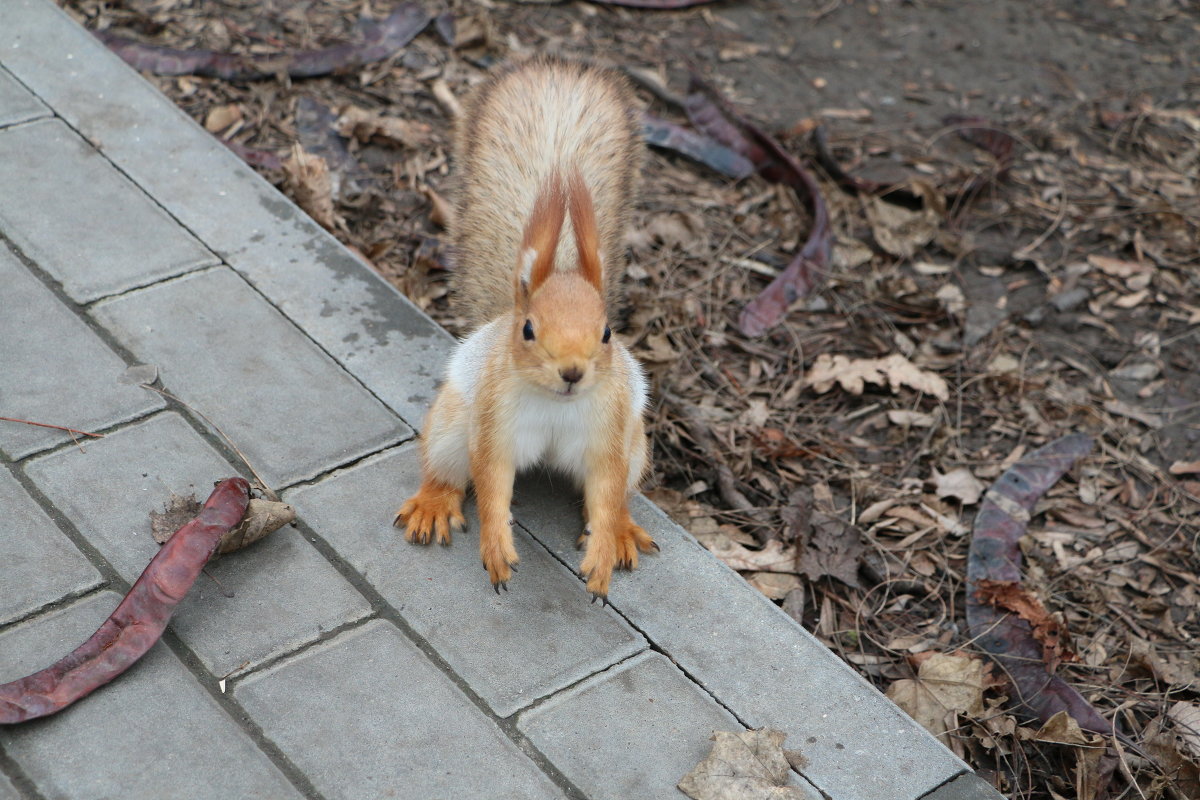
[{"x": 541, "y": 379}]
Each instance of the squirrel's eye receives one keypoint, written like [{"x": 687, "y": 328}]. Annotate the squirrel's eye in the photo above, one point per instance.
[
  {"x": 607, "y": 335},
  {"x": 528, "y": 331}
]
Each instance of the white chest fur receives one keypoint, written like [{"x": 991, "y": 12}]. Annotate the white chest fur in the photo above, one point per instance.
[{"x": 546, "y": 428}]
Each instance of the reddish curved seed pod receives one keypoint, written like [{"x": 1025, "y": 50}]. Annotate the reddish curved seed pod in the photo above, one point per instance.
[{"x": 138, "y": 621}]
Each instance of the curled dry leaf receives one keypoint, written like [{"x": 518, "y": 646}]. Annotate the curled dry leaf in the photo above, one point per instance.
[
  {"x": 959, "y": 483},
  {"x": 774, "y": 557},
  {"x": 746, "y": 765},
  {"x": 1063, "y": 729},
  {"x": 309, "y": 185},
  {"x": 366, "y": 126},
  {"x": 903, "y": 231},
  {"x": 894, "y": 370},
  {"x": 945, "y": 687},
  {"x": 261, "y": 517}
]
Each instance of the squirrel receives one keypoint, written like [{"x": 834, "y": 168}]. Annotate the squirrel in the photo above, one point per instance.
[{"x": 541, "y": 379}]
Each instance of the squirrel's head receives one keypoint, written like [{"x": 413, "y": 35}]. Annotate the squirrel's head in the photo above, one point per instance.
[{"x": 561, "y": 338}]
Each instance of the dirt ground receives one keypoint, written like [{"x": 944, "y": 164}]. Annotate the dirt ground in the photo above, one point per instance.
[{"x": 1021, "y": 297}]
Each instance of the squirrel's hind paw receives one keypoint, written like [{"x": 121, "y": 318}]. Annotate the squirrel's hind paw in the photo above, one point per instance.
[{"x": 434, "y": 511}]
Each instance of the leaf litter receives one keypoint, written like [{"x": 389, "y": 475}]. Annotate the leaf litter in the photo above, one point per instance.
[{"x": 1037, "y": 259}]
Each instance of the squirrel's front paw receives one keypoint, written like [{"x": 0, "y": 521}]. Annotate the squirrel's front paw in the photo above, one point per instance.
[
  {"x": 598, "y": 564},
  {"x": 631, "y": 538},
  {"x": 435, "y": 510},
  {"x": 499, "y": 556}
]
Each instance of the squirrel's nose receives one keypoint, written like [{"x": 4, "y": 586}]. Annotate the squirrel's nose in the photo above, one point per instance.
[{"x": 571, "y": 374}]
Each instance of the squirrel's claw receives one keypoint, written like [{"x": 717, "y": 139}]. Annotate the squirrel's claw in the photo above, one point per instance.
[{"x": 603, "y": 598}]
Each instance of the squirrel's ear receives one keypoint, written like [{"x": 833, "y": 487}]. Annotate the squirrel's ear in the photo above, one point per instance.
[
  {"x": 587, "y": 238},
  {"x": 541, "y": 237}
]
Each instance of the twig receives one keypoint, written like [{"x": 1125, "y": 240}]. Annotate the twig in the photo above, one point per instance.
[
  {"x": 266, "y": 489},
  {"x": 48, "y": 425}
]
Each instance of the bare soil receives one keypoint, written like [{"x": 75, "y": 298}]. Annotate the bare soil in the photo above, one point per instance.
[{"x": 1062, "y": 297}]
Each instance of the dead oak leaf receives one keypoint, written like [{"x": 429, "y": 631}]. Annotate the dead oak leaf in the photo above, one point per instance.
[
  {"x": 945, "y": 687},
  {"x": 834, "y": 548},
  {"x": 852, "y": 375},
  {"x": 745, "y": 765}
]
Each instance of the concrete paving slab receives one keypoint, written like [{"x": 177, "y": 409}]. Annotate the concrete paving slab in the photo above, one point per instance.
[
  {"x": 38, "y": 563},
  {"x": 356, "y": 316},
  {"x": 631, "y": 731},
  {"x": 965, "y": 787},
  {"x": 259, "y": 603},
  {"x": 83, "y": 222},
  {"x": 391, "y": 724},
  {"x": 17, "y": 105},
  {"x": 7, "y": 790},
  {"x": 54, "y": 369},
  {"x": 756, "y": 659},
  {"x": 226, "y": 352},
  {"x": 155, "y": 732},
  {"x": 512, "y": 648}
]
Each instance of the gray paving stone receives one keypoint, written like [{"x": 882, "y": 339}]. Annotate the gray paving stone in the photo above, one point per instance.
[
  {"x": 152, "y": 733},
  {"x": 54, "y": 369},
  {"x": 82, "y": 221},
  {"x": 259, "y": 603},
  {"x": 512, "y": 648},
  {"x": 757, "y": 660},
  {"x": 965, "y": 787},
  {"x": 17, "y": 105},
  {"x": 632, "y": 731},
  {"x": 38, "y": 563},
  {"x": 225, "y": 351},
  {"x": 402, "y": 729},
  {"x": 345, "y": 306}
]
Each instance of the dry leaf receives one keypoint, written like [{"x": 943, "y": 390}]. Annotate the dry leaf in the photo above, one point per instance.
[
  {"x": 775, "y": 585},
  {"x": 902, "y": 231},
  {"x": 745, "y": 765},
  {"x": 945, "y": 687},
  {"x": 309, "y": 185},
  {"x": 958, "y": 483},
  {"x": 894, "y": 370},
  {"x": 441, "y": 211},
  {"x": 261, "y": 517},
  {"x": 221, "y": 117},
  {"x": 915, "y": 419},
  {"x": 774, "y": 557},
  {"x": 1046, "y": 629},
  {"x": 1063, "y": 729},
  {"x": 1186, "y": 717},
  {"x": 1184, "y": 467},
  {"x": 833, "y": 548},
  {"x": 371, "y": 126}
]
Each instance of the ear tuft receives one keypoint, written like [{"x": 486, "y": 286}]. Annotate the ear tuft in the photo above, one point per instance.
[
  {"x": 587, "y": 238},
  {"x": 541, "y": 235}
]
